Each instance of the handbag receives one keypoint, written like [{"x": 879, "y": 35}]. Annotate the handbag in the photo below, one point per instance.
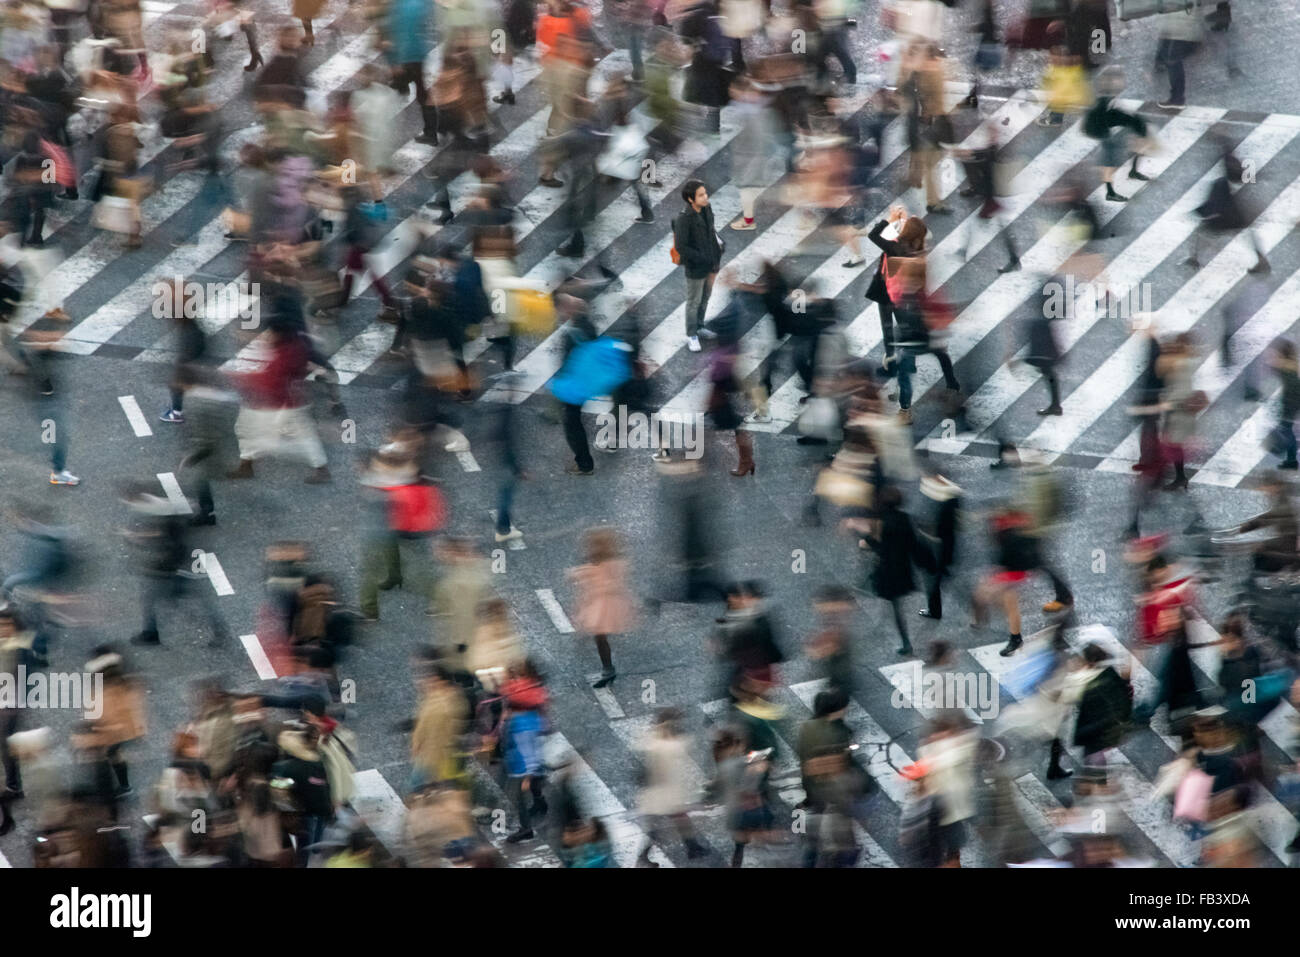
[
  {"x": 1192, "y": 799},
  {"x": 842, "y": 488},
  {"x": 820, "y": 418},
  {"x": 1170, "y": 776},
  {"x": 624, "y": 156},
  {"x": 115, "y": 214}
]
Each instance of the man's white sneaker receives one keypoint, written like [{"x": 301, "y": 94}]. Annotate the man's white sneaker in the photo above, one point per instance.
[
  {"x": 458, "y": 443},
  {"x": 510, "y": 535},
  {"x": 64, "y": 478},
  {"x": 693, "y": 343}
]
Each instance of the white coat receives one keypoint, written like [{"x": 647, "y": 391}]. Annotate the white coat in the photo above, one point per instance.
[{"x": 667, "y": 789}]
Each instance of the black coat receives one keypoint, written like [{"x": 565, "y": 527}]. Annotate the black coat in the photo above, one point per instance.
[
  {"x": 897, "y": 549},
  {"x": 1104, "y": 712},
  {"x": 311, "y": 789},
  {"x": 697, "y": 242}
]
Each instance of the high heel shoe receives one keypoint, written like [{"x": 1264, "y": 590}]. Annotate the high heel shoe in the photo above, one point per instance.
[
  {"x": 743, "y": 470},
  {"x": 254, "y": 63}
]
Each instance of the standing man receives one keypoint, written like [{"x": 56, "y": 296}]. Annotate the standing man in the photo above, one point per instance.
[
  {"x": 405, "y": 33},
  {"x": 700, "y": 254},
  {"x": 1181, "y": 35}
]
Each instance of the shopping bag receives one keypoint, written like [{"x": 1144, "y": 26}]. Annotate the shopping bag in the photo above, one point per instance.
[
  {"x": 843, "y": 488},
  {"x": 820, "y": 418},
  {"x": 1192, "y": 799},
  {"x": 624, "y": 156},
  {"x": 235, "y": 222},
  {"x": 594, "y": 368},
  {"x": 1170, "y": 776},
  {"x": 1025, "y": 678},
  {"x": 534, "y": 311},
  {"x": 114, "y": 214}
]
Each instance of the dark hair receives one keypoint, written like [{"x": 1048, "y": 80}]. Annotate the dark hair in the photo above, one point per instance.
[
  {"x": 690, "y": 188},
  {"x": 938, "y": 651},
  {"x": 1094, "y": 653},
  {"x": 828, "y": 702}
]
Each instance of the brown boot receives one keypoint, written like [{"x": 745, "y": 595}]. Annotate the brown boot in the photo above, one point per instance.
[
  {"x": 245, "y": 470},
  {"x": 745, "y": 446}
]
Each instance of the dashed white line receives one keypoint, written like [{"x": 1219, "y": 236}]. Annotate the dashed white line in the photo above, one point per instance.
[
  {"x": 468, "y": 462},
  {"x": 261, "y": 663},
  {"x": 558, "y": 617},
  {"x": 217, "y": 574},
  {"x": 139, "y": 424},
  {"x": 613, "y": 710},
  {"x": 174, "y": 493}
]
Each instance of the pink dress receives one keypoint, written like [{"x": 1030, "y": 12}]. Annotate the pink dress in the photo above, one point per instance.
[{"x": 605, "y": 605}]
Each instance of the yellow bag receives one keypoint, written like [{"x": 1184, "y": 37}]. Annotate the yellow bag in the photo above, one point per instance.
[{"x": 532, "y": 311}]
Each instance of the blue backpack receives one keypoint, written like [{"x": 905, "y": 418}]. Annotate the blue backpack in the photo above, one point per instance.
[{"x": 596, "y": 367}]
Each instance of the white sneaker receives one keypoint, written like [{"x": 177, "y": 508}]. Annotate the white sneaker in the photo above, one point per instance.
[
  {"x": 693, "y": 343},
  {"x": 64, "y": 478},
  {"x": 510, "y": 535},
  {"x": 458, "y": 443},
  {"x": 759, "y": 415}
]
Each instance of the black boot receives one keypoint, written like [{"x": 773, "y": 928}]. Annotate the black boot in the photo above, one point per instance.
[
  {"x": 1013, "y": 645},
  {"x": 1054, "y": 770}
]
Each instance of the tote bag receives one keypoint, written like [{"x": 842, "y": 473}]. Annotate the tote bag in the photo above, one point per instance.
[{"x": 1192, "y": 799}]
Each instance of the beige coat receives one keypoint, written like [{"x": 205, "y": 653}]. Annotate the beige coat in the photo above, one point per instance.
[
  {"x": 124, "y": 715},
  {"x": 456, "y": 599},
  {"x": 605, "y": 605},
  {"x": 952, "y": 773},
  {"x": 495, "y": 646},
  {"x": 668, "y": 788},
  {"x": 438, "y": 727}
]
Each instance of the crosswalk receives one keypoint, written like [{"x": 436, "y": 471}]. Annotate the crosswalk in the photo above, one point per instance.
[
  {"x": 606, "y": 788},
  {"x": 113, "y": 321},
  {"x": 1102, "y": 361}
]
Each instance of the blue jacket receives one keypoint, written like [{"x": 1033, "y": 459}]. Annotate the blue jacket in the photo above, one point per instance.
[{"x": 408, "y": 28}]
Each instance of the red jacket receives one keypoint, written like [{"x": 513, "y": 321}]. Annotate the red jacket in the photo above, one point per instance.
[
  {"x": 278, "y": 384},
  {"x": 415, "y": 508},
  {"x": 1160, "y": 613}
]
